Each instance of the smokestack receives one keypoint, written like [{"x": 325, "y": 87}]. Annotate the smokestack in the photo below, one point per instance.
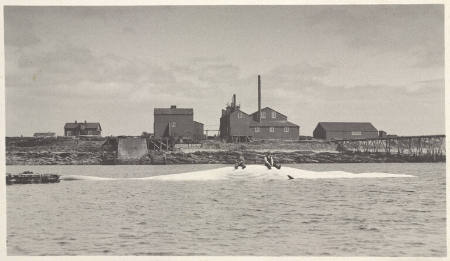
[
  {"x": 233, "y": 101},
  {"x": 259, "y": 98}
]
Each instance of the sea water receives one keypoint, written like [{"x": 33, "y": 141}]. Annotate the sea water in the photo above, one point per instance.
[{"x": 327, "y": 209}]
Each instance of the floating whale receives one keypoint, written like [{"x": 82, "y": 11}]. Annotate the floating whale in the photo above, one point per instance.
[
  {"x": 261, "y": 172},
  {"x": 251, "y": 172}
]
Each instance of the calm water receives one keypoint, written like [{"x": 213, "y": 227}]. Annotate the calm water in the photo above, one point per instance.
[{"x": 403, "y": 216}]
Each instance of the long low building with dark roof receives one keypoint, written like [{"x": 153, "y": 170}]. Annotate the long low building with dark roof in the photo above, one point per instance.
[{"x": 344, "y": 130}]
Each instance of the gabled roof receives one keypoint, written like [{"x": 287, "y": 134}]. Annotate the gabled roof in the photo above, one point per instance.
[
  {"x": 196, "y": 122},
  {"x": 87, "y": 125},
  {"x": 71, "y": 125},
  {"x": 347, "y": 126},
  {"x": 234, "y": 111},
  {"x": 273, "y": 124},
  {"x": 269, "y": 109},
  {"x": 173, "y": 111},
  {"x": 239, "y": 110}
]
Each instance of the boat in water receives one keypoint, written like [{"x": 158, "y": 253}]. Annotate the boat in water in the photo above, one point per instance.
[{"x": 28, "y": 177}]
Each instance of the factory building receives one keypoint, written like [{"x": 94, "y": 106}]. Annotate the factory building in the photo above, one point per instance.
[
  {"x": 264, "y": 124},
  {"x": 345, "y": 130},
  {"x": 235, "y": 124},
  {"x": 82, "y": 128},
  {"x": 177, "y": 123},
  {"x": 273, "y": 125}
]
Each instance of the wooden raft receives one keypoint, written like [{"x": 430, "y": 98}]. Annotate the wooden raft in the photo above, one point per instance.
[{"x": 28, "y": 177}]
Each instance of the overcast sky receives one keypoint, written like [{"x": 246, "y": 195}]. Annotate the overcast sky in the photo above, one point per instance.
[{"x": 113, "y": 65}]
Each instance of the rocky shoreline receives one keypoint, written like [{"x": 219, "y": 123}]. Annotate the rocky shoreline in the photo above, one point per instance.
[
  {"x": 104, "y": 151},
  {"x": 210, "y": 157}
]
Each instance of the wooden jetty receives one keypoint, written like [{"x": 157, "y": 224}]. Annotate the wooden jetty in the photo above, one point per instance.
[
  {"x": 432, "y": 145},
  {"x": 28, "y": 177}
]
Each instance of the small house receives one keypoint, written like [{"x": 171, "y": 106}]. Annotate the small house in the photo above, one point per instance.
[{"x": 82, "y": 129}]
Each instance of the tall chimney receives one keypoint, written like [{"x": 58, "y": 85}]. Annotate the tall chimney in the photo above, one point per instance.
[
  {"x": 259, "y": 98},
  {"x": 233, "y": 102}
]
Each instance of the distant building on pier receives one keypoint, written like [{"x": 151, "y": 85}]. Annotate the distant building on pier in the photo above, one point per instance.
[
  {"x": 44, "y": 134},
  {"x": 177, "y": 123},
  {"x": 345, "y": 130},
  {"x": 82, "y": 128}
]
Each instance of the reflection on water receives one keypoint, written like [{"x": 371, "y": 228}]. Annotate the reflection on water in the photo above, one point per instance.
[{"x": 244, "y": 215}]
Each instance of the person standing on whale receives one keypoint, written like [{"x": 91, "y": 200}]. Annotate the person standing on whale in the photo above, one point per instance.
[{"x": 269, "y": 161}]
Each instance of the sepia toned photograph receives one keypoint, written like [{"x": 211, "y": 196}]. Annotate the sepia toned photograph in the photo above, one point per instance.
[{"x": 225, "y": 130}]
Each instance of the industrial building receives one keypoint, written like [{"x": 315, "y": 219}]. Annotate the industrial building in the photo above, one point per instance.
[
  {"x": 264, "y": 124},
  {"x": 177, "y": 123},
  {"x": 345, "y": 130},
  {"x": 82, "y": 129},
  {"x": 235, "y": 124},
  {"x": 273, "y": 125}
]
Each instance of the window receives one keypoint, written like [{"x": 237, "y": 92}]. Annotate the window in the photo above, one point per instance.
[
  {"x": 272, "y": 129},
  {"x": 174, "y": 124},
  {"x": 69, "y": 133},
  {"x": 274, "y": 115},
  {"x": 240, "y": 115},
  {"x": 256, "y": 129},
  {"x": 90, "y": 132},
  {"x": 263, "y": 115},
  {"x": 286, "y": 129},
  {"x": 356, "y": 133}
]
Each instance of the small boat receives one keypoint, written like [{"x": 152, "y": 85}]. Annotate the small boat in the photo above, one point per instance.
[{"x": 28, "y": 177}]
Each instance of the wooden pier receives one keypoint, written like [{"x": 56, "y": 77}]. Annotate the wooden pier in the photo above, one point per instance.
[
  {"x": 163, "y": 144},
  {"x": 433, "y": 145}
]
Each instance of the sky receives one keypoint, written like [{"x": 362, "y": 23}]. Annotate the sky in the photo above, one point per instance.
[{"x": 375, "y": 63}]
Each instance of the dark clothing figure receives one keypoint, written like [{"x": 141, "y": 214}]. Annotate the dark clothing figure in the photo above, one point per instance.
[
  {"x": 240, "y": 163},
  {"x": 269, "y": 162}
]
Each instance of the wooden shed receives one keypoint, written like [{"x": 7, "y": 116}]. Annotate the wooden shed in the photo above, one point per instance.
[{"x": 344, "y": 130}]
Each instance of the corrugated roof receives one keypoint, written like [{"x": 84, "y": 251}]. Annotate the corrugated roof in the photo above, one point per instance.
[
  {"x": 347, "y": 126},
  {"x": 178, "y": 111},
  {"x": 273, "y": 124},
  {"x": 87, "y": 125}
]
